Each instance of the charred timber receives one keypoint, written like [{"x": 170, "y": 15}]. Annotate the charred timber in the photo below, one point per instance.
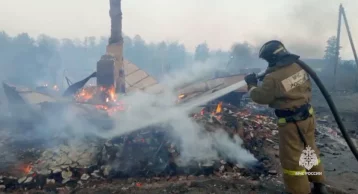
[{"x": 74, "y": 88}]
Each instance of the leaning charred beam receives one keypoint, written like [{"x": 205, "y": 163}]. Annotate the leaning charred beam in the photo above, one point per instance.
[
  {"x": 12, "y": 95},
  {"x": 72, "y": 89}
]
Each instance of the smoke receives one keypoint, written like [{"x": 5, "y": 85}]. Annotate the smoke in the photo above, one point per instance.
[
  {"x": 69, "y": 122},
  {"x": 305, "y": 26},
  {"x": 193, "y": 72},
  {"x": 196, "y": 143},
  {"x": 144, "y": 109},
  {"x": 311, "y": 19},
  {"x": 199, "y": 145},
  {"x": 73, "y": 123}
]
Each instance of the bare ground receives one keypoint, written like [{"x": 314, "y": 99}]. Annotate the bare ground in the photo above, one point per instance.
[
  {"x": 340, "y": 179},
  {"x": 340, "y": 167}
]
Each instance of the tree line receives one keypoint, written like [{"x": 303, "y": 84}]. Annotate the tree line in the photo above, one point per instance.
[{"x": 31, "y": 61}]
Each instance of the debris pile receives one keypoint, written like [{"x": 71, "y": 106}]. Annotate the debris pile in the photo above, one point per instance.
[
  {"x": 149, "y": 153},
  {"x": 103, "y": 98}
]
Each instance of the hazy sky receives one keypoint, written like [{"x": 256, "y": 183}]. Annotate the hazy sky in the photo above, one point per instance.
[{"x": 304, "y": 25}]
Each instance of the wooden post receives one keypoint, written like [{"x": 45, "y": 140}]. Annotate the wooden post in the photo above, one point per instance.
[
  {"x": 350, "y": 39},
  {"x": 338, "y": 37}
]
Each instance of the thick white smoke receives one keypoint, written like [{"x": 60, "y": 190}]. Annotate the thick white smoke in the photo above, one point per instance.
[
  {"x": 196, "y": 144},
  {"x": 143, "y": 110}
]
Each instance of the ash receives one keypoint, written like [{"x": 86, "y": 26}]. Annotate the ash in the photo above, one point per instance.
[{"x": 151, "y": 153}]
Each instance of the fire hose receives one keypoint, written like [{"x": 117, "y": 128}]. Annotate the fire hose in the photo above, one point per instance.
[{"x": 330, "y": 103}]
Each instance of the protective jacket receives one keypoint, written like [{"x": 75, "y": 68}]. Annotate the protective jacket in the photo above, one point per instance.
[
  {"x": 287, "y": 89},
  {"x": 284, "y": 87}
]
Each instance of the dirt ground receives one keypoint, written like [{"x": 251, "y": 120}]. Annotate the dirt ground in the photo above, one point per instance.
[
  {"x": 341, "y": 180},
  {"x": 341, "y": 167},
  {"x": 190, "y": 187}
]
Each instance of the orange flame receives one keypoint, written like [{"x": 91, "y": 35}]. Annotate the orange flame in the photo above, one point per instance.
[
  {"x": 27, "y": 169},
  {"x": 219, "y": 108},
  {"x": 93, "y": 93},
  {"x": 103, "y": 98},
  {"x": 84, "y": 94},
  {"x": 181, "y": 96},
  {"x": 111, "y": 109},
  {"x": 112, "y": 94},
  {"x": 55, "y": 87}
]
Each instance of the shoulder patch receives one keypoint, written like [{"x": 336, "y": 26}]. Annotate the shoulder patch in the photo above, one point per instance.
[{"x": 295, "y": 80}]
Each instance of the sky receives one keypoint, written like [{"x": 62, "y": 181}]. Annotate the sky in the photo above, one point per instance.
[{"x": 303, "y": 25}]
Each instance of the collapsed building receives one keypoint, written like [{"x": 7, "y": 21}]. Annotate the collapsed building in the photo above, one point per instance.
[
  {"x": 35, "y": 162},
  {"x": 147, "y": 155}
]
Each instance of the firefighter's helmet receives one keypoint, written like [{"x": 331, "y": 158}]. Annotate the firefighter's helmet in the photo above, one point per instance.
[{"x": 272, "y": 51}]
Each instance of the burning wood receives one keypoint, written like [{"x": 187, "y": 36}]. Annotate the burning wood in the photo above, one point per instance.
[
  {"x": 218, "y": 108},
  {"x": 55, "y": 87},
  {"x": 151, "y": 152},
  {"x": 181, "y": 96},
  {"x": 95, "y": 94},
  {"x": 103, "y": 98},
  {"x": 27, "y": 169}
]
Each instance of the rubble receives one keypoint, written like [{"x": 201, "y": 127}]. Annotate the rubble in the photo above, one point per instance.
[{"x": 149, "y": 153}]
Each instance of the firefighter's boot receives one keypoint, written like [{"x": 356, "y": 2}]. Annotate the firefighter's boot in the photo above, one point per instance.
[{"x": 319, "y": 188}]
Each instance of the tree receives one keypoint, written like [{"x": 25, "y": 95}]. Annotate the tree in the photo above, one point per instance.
[
  {"x": 242, "y": 54},
  {"x": 140, "y": 51},
  {"x": 176, "y": 55},
  {"x": 349, "y": 66},
  {"x": 220, "y": 55},
  {"x": 6, "y": 52},
  {"x": 48, "y": 58},
  {"x": 23, "y": 65},
  {"x": 201, "y": 52},
  {"x": 330, "y": 52},
  {"x": 29, "y": 62},
  {"x": 127, "y": 47}
]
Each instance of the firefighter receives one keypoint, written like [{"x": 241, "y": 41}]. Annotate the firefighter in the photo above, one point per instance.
[{"x": 286, "y": 88}]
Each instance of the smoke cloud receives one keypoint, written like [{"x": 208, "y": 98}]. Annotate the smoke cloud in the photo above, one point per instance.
[
  {"x": 303, "y": 26},
  {"x": 306, "y": 25},
  {"x": 196, "y": 144},
  {"x": 143, "y": 110},
  {"x": 69, "y": 123}
]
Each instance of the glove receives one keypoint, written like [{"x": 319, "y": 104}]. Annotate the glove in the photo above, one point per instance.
[{"x": 251, "y": 80}]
